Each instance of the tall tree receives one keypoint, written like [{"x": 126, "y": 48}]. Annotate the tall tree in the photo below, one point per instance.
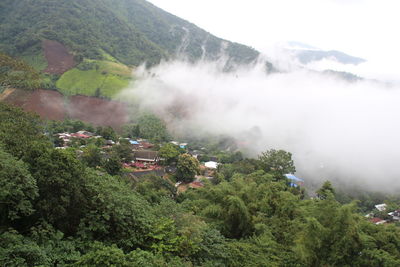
[
  {"x": 326, "y": 190},
  {"x": 151, "y": 127},
  {"x": 91, "y": 156},
  {"x": 169, "y": 153},
  {"x": 187, "y": 168},
  {"x": 18, "y": 189},
  {"x": 277, "y": 162},
  {"x": 61, "y": 182}
]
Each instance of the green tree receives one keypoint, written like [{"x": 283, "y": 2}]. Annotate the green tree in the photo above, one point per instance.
[
  {"x": 187, "y": 168},
  {"x": 18, "y": 250},
  {"x": 18, "y": 130},
  {"x": 92, "y": 156},
  {"x": 113, "y": 165},
  {"x": 18, "y": 189},
  {"x": 123, "y": 151},
  {"x": 153, "y": 128},
  {"x": 107, "y": 133},
  {"x": 114, "y": 212},
  {"x": 169, "y": 153},
  {"x": 59, "y": 249},
  {"x": 155, "y": 189},
  {"x": 238, "y": 218},
  {"x": 102, "y": 255},
  {"x": 131, "y": 130},
  {"x": 61, "y": 182},
  {"x": 326, "y": 190},
  {"x": 277, "y": 162}
]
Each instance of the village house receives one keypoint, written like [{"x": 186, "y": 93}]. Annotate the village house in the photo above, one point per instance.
[
  {"x": 110, "y": 142},
  {"x": 381, "y": 207},
  {"x": 211, "y": 165},
  {"x": 86, "y": 133},
  {"x": 377, "y": 221},
  {"x": 196, "y": 184},
  {"x": 294, "y": 181},
  {"x": 146, "y": 156},
  {"x": 395, "y": 215},
  {"x": 80, "y": 135},
  {"x": 183, "y": 145}
]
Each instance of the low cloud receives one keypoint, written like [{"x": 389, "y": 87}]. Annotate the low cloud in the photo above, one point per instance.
[{"x": 347, "y": 132}]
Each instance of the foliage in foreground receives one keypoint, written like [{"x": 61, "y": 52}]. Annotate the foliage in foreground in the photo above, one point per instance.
[{"x": 57, "y": 211}]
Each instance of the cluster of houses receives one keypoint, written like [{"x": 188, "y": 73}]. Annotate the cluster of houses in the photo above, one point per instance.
[
  {"x": 393, "y": 216},
  {"x": 68, "y": 137},
  {"x": 145, "y": 161}
]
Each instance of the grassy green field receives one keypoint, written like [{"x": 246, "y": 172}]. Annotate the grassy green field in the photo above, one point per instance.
[{"x": 98, "y": 78}]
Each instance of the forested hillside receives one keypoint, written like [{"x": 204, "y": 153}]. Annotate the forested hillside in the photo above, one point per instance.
[
  {"x": 61, "y": 209},
  {"x": 132, "y": 31}
]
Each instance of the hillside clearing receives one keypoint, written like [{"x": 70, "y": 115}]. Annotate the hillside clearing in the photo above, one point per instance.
[
  {"x": 59, "y": 60},
  {"x": 95, "y": 78}
]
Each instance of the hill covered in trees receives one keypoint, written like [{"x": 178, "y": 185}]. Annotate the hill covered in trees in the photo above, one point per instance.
[{"x": 132, "y": 31}]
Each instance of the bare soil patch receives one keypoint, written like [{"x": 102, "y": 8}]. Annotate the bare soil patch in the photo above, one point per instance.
[
  {"x": 98, "y": 111},
  {"x": 15, "y": 97},
  {"x": 52, "y": 105},
  {"x": 59, "y": 60},
  {"x": 47, "y": 104}
]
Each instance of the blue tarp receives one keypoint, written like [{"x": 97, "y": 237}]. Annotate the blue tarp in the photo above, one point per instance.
[
  {"x": 133, "y": 142},
  {"x": 293, "y": 178}
]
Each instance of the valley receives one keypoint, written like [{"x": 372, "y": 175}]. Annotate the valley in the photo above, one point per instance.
[{"x": 132, "y": 137}]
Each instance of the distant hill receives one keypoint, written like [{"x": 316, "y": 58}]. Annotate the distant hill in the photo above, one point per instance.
[
  {"x": 350, "y": 77},
  {"x": 306, "y": 53},
  {"x": 308, "y": 56},
  {"x": 91, "y": 47},
  {"x": 131, "y": 31}
]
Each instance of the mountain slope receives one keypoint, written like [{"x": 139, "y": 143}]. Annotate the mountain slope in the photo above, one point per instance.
[
  {"x": 308, "y": 56},
  {"x": 132, "y": 31},
  {"x": 306, "y": 53}
]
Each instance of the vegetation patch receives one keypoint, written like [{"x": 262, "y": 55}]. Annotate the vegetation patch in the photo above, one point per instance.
[
  {"x": 35, "y": 58},
  {"x": 95, "y": 78},
  {"x": 17, "y": 73}
]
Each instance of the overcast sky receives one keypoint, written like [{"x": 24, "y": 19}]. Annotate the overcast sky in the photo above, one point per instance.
[{"x": 364, "y": 28}]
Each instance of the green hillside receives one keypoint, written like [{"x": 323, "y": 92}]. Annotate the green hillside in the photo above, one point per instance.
[
  {"x": 95, "y": 78},
  {"x": 18, "y": 74},
  {"x": 132, "y": 31}
]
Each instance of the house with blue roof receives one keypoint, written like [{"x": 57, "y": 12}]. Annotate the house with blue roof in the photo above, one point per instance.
[{"x": 294, "y": 181}]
